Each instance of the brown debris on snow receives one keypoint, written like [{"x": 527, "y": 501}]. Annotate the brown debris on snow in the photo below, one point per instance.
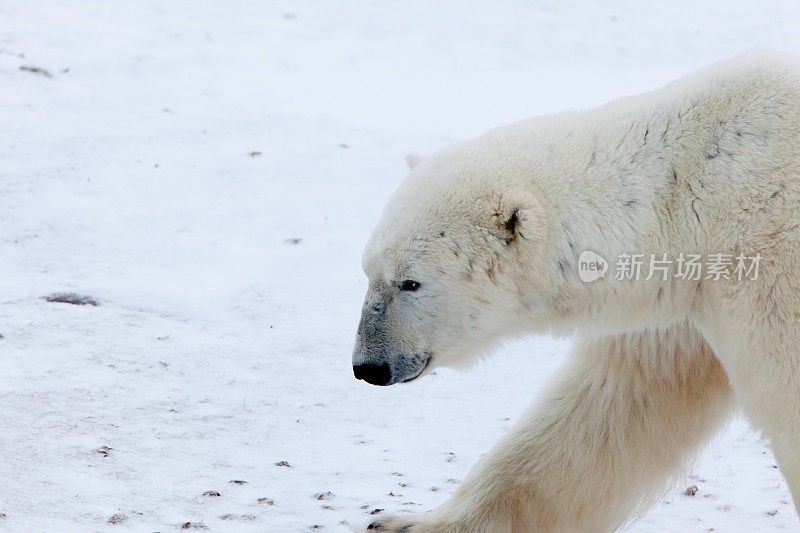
[
  {"x": 105, "y": 451},
  {"x": 246, "y": 517},
  {"x": 118, "y": 518}
]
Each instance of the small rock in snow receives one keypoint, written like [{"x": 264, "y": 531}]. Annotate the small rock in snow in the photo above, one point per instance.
[{"x": 71, "y": 298}]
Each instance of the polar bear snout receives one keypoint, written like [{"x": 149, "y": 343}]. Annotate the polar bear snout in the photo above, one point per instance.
[
  {"x": 379, "y": 361},
  {"x": 375, "y": 374},
  {"x": 375, "y": 364},
  {"x": 402, "y": 369},
  {"x": 389, "y": 348}
]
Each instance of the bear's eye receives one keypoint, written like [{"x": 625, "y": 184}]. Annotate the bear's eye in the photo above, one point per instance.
[{"x": 409, "y": 285}]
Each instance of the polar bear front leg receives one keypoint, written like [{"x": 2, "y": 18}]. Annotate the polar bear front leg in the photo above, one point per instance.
[
  {"x": 753, "y": 327},
  {"x": 616, "y": 425}
]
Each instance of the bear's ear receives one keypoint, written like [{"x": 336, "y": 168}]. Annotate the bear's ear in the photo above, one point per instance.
[
  {"x": 413, "y": 159},
  {"x": 515, "y": 224}
]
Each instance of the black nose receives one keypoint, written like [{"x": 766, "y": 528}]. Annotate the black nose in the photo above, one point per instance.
[{"x": 372, "y": 373}]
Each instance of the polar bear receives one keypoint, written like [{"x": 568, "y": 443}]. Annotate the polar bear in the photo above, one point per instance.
[{"x": 484, "y": 241}]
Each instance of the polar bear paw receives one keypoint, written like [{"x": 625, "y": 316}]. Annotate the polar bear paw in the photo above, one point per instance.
[{"x": 402, "y": 524}]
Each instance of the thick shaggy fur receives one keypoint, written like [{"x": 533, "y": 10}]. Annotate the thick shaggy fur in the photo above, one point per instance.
[{"x": 492, "y": 229}]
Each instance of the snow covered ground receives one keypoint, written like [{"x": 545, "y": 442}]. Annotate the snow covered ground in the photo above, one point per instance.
[{"x": 210, "y": 171}]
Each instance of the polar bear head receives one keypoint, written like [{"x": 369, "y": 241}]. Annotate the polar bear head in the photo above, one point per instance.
[{"x": 449, "y": 266}]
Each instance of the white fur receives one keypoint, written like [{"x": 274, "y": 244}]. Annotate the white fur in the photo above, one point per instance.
[{"x": 708, "y": 164}]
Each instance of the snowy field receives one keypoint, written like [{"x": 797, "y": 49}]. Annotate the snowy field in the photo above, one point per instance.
[{"x": 209, "y": 171}]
